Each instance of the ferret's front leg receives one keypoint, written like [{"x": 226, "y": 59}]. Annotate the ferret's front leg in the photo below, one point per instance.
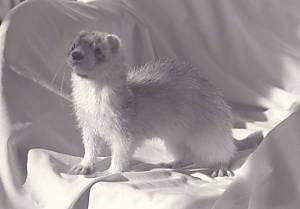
[
  {"x": 122, "y": 149},
  {"x": 86, "y": 165}
]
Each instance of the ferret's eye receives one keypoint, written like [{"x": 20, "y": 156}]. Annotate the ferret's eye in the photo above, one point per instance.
[
  {"x": 98, "y": 51},
  {"x": 99, "y": 54},
  {"x": 73, "y": 47}
]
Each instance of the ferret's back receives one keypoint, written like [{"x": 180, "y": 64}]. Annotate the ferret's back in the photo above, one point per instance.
[
  {"x": 159, "y": 72},
  {"x": 172, "y": 76},
  {"x": 176, "y": 89}
]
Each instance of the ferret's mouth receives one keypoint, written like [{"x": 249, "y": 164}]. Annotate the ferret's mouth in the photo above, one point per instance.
[
  {"x": 82, "y": 75},
  {"x": 75, "y": 62},
  {"x": 74, "y": 66}
]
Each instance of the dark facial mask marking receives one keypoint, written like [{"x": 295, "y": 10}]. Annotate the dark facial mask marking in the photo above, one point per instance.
[{"x": 99, "y": 54}]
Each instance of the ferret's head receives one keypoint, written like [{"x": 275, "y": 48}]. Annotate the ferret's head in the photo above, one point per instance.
[{"x": 92, "y": 52}]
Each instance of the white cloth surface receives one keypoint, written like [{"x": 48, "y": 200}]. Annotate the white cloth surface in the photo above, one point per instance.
[
  {"x": 249, "y": 49},
  {"x": 6, "y": 5}
]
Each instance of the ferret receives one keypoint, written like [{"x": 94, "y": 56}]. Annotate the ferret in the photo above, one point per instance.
[{"x": 165, "y": 99}]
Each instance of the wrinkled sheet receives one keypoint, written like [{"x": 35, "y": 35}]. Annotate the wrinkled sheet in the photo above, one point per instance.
[{"x": 248, "y": 48}]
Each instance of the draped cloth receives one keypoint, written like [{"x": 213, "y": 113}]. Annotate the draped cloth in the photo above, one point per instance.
[
  {"x": 6, "y": 5},
  {"x": 248, "y": 48}
]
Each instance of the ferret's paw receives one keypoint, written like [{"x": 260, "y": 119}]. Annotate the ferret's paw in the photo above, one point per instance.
[
  {"x": 113, "y": 169},
  {"x": 80, "y": 169},
  {"x": 220, "y": 172}
]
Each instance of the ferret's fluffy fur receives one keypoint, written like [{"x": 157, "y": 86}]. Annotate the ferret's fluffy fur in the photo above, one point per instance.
[{"x": 165, "y": 99}]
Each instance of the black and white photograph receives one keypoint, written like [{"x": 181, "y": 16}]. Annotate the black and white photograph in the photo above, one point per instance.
[{"x": 149, "y": 104}]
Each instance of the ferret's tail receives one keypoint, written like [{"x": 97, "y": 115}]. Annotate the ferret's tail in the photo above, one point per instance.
[{"x": 250, "y": 142}]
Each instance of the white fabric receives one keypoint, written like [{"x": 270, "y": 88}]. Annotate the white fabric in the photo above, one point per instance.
[
  {"x": 6, "y": 5},
  {"x": 249, "y": 49}
]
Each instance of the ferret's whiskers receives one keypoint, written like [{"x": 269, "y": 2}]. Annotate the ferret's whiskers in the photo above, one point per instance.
[
  {"x": 57, "y": 72},
  {"x": 62, "y": 85}
]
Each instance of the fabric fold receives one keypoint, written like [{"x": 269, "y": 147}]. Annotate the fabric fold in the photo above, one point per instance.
[{"x": 249, "y": 49}]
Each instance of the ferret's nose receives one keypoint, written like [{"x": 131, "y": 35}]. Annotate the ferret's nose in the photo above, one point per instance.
[{"x": 77, "y": 55}]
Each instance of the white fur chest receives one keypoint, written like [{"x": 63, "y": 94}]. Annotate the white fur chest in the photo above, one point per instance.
[{"x": 93, "y": 105}]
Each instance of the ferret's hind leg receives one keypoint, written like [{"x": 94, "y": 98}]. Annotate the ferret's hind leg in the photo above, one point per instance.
[
  {"x": 179, "y": 152},
  {"x": 221, "y": 170},
  {"x": 215, "y": 151}
]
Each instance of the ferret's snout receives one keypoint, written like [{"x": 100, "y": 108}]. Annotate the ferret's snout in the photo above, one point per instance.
[{"x": 77, "y": 55}]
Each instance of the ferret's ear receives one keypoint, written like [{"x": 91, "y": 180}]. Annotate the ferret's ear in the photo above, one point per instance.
[
  {"x": 114, "y": 42},
  {"x": 82, "y": 33}
]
